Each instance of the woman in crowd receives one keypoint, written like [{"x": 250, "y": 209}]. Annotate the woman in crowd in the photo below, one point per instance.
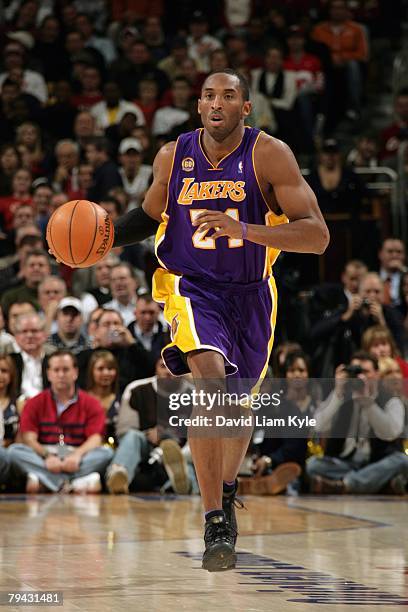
[
  {"x": 378, "y": 341},
  {"x": 9, "y": 412},
  {"x": 20, "y": 194},
  {"x": 393, "y": 382},
  {"x": 9, "y": 162},
  {"x": 29, "y": 135},
  {"x": 103, "y": 378},
  {"x": 296, "y": 370}
]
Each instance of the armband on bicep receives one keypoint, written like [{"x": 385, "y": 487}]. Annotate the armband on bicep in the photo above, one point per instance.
[{"x": 133, "y": 227}]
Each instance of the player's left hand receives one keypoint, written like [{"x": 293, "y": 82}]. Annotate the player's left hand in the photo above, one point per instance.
[{"x": 222, "y": 224}]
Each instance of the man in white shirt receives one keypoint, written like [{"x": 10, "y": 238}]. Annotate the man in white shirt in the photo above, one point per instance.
[
  {"x": 362, "y": 425},
  {"x": 33, "y": 82},
  {"x": 167, "y": 118},
  {"x": 135, "y": 175},
  {"x": 200, "y": 43},
  {"x": 30, "y": 336},
  {"x": 123, "y": 284}
]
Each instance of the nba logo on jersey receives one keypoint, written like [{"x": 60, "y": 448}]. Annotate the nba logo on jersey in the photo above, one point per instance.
[
  {"x": 188, "y": 164},
  {"x": 240, "y": 167}
]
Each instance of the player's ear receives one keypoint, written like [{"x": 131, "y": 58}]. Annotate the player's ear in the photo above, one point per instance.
[
  {"x": 247, "y": 108},
  {"x": 199, "y": 106}
]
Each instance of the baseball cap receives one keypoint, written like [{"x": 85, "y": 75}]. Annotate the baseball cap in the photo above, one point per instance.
[
  {"x": 70, "y": 302},
  {"x": 23, "y": 37},
  {"x": 129, "y": 144}
]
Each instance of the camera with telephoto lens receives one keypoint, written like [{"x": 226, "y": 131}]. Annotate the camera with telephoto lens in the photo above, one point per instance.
[{"x": 353, "y": 372}]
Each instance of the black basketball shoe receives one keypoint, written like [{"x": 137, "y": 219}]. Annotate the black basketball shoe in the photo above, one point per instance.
[
  {"x": 229, "y": 503},
  {"x": 219, "y": 552}
]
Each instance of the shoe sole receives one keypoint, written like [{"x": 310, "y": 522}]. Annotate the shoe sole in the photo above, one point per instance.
[
  {"x": 220, "y": 559},
  {"x": 175, "y": 465},
  {"x": 272, "y": 484},
  {"x": 118, "y": 483}
]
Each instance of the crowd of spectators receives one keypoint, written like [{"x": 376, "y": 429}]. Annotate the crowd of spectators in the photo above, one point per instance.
[{"x": 89, "y": 91}]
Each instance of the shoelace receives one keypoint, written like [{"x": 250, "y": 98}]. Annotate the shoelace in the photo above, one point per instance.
[
  {"x": 238, "y": 503},
  {"x": 216, "y": 531}
]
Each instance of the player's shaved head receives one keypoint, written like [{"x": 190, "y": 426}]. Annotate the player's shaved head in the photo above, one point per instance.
[{"x": 242, "y": 82}]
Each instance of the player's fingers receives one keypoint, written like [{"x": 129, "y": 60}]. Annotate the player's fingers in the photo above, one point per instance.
[
  {"x": 56, "y": 258},
  {"x": 220, "y": 232},
  {"x": 206, "y": 217},
  {"x": 209, "y": 225}
]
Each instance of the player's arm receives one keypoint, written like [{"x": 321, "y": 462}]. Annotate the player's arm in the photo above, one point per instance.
[
  {"x": 306, "y": 231},
  {"x": 277, "y": 168},
  {"x": 140, "y": 223}
]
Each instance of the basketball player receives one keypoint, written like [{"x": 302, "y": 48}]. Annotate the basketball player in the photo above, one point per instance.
[{"x": 225, "y": 200}]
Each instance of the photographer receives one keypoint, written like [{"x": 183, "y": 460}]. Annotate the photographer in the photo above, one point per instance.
[
  {"x": 111, "y": 334},
  {"x": 364, "y": 424},
  {"x": 337, "y": 330}
]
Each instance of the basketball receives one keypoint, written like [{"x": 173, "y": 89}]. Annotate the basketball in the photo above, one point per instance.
[{"x": 80, "y": 233}]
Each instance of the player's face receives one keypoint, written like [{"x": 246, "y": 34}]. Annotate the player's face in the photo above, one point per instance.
[{"x": 222, "y": 107}]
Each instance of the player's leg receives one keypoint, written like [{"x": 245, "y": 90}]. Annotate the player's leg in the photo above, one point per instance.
[
  {"x": 207, "y": 452},
  {"x": 207, "y": 368}
]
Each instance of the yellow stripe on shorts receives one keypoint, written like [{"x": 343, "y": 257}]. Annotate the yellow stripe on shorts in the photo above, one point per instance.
[{"x": 177, "y": 311}]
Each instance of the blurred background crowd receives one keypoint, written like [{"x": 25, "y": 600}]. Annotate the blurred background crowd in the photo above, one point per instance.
[{"x": 89, "y": 91}]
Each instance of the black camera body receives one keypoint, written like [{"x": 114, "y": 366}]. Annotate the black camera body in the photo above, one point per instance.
[
  {"x": 353, "y": 371},
  {"x": 356, "y": 383}
]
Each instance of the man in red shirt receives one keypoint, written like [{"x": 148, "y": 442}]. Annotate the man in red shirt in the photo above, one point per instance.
[{"x": 62, "y": 430}]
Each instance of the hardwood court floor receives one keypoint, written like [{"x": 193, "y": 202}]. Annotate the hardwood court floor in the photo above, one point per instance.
[{"x": 144, "y": 553}]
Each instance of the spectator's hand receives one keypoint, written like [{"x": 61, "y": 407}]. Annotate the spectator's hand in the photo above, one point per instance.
[
  {"x": 353, "y": 307},
  {"x": 53, "y": 464},
  {"x": 259, "y": 466},
  {"x": 51, "y": 309},
  {"x": 70, "y": 463},
  {"x": 123, "y": 337},
  {"x": 341, "y": 378},
  {"x": 376, "y": 311},
  {"x": 61, "y": 174},
  {"x": 152, "y": 435}
]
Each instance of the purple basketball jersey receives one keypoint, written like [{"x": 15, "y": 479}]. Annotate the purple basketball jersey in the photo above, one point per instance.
[{"x": 231, "y": 187}]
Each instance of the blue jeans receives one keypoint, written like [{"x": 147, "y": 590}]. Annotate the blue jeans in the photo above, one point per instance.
[
  {"x": 368, "y": 479},
  {"x": 24, "y": 459},
  {"x": 4, "y": 465},
  {"x": 133, "y": 449}
]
